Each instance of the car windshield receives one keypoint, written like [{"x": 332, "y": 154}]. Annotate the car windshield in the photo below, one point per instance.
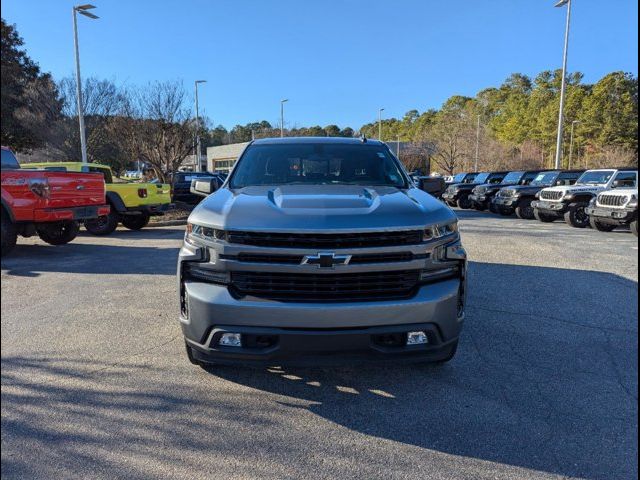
[
  {"x": 470, "y": 178},
  {"x": 599, "y": 177},
  {"x": 459, "y": 178},
  {"x": 512, "y": 177},
  {"x": 544, "y": 179},
  {"x": 9, "y": 161},
  {"x": 317, "y": 164},
  {"x": 481, "y": 178}
]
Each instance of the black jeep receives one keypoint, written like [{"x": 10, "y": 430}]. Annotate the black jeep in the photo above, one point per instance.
[
  {"x": 458, "y": 194},
  {"x": 482, "y": 195},
  {"x": 517, "y": 199}
]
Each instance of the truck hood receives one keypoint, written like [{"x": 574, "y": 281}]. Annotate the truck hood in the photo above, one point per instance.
[{"x": 320, "y": 208}]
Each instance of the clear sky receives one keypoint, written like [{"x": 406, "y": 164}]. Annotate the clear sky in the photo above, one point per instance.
[{"x": 337, "y": 61}]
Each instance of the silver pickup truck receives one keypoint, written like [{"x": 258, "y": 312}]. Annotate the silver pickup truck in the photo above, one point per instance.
[{"x": 320, "y": 251}]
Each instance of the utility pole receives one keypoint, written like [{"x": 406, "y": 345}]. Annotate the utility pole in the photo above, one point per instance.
[
  {"x": 82, "y": 10},
  {"x": 282, "y": 102},
  {"x": 380, "y": 123},
  {"x": 198, "y": 147},
  {"x": 563, "y": 86},
  {"x": 477, "y": 143}
]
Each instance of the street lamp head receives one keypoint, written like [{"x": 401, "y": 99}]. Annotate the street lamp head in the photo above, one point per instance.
[
  {"x": 88, "y": 14},
  {"x": 201, "y": 81},
  {"x": 86, "y": 6},
  {"x": 284, "y": 100},
  {"x": 561, "y": 3}
]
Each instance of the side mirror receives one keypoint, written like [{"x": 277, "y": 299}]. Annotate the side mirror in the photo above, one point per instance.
[{"x": 205, "y": 186}]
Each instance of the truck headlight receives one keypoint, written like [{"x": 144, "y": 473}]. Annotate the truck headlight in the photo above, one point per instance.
[
  {"x": 198, "y": 232},
  {"x": 568, "y": 196},
  {"x": 436, "y": 232}
]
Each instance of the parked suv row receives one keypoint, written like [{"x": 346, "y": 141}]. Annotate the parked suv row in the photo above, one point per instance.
[{"x": 602, "y": 198}]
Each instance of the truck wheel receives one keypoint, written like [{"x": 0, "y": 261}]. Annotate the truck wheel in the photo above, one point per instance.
[
  {"x": 464, "y": 202},
  {"x": 634, "y": 227},
  {"x": 9, "y": 234},
  {"x": 541, "y": 217},
  {"x": 577, "y": 216},
  {"x": 601, "y": 227},
  {"x": 135, "y": 222},
  {"x": 103, "y": 225},
  {"x": 58, "y": 233},
  {"x": 524, "y": 210},
  {"x": 492, "y": 208}
]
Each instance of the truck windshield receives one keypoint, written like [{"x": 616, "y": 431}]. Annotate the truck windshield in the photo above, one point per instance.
[
  {"x": 544, "y": 179},
  {"x": 9, "y": 161},
  {"x": 512, "y": 177},
  {"x": 317, "y": 164},
  {"x": 481, "y": 178},
  {"x": 600, "y": 177}
]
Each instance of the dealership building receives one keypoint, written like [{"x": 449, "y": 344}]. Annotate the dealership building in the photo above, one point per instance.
[{"x": 223, "y": 157}]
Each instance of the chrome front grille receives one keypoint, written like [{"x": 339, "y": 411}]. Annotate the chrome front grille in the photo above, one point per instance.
[
  {"x": 613, "y": 200},
  {"x": 551, "y": 195}
]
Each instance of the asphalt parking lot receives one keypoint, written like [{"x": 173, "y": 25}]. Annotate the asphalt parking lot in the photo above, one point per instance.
[{"x": 95, "y": 382}]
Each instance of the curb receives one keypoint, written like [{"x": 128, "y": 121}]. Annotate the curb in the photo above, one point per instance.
[{"x": 168, "y": 223}]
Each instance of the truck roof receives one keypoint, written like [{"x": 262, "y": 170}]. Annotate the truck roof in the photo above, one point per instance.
[{"x": 324, "y": 140}]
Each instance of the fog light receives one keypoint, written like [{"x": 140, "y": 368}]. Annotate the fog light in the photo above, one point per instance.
[
  {"x": 417, "y": 338},
  {"x": 230, "y": 340}
]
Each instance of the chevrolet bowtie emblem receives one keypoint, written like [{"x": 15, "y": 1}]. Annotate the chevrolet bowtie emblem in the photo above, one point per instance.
[{"x": 326, "y": 260}]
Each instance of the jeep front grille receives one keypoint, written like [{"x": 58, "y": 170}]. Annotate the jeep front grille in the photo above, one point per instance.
[
  {"x": 330, "y": 241},
  {"x": 479, "y": 190},
  {"x": 326, "y": 287},
  {"x": 506, "y": 193},
  {"x": 613, "y": 200},
  {"x": 551, "y": 195}
]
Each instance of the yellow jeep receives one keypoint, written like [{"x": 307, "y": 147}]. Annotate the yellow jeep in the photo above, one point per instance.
[{"x": 131, "y": 203}]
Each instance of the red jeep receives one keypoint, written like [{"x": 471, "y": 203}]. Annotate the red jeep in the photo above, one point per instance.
[{"x": 47, "y": 203}]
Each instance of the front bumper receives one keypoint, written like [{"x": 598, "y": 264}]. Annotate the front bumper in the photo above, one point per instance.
[
  {"x": 73, "y": 213},
  {"x": 550, "y": 208},
  {"x": 613, "y": 216},
  {"x": 307, "y": 347}
]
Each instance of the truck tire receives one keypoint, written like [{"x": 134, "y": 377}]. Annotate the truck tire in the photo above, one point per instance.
[
  {"x": 464, "y": 202},
  {"x": 634, "y": 227},
  {"x": 544, "y": 218},
  {"x": 135, "y": 222},
  {"x": 601, "y": 227},
  {"x": 103, "y": 225},
  {"x": 577, "y": 216},
  {"x": 492, "y": 208},
  {"x": 9, "y": 234},
  {"x": 524, "y": 210},
  {"x": 58, "y": 233}
]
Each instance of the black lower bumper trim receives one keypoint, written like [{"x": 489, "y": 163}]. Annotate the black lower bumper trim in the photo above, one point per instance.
[{"x": 306, "y": 347}]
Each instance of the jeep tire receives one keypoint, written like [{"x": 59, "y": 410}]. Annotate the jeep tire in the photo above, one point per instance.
[
  {"x": 103, "y": 225},
  {"x": 524, "y": 210},
  {"x": 135, "y": 222},
  {"x": 601, "y": 227},
  {"x": 577, "y": 216},
  {"x": 543, "y": 217},
  {"x": 9, "y": 233},
  {"x": 464, "y": 202},
  {"x": 58, "y": 233}
]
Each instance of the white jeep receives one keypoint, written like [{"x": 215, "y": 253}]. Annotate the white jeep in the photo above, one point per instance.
[
  {"x": 614, "y": 208},
  {"x": 571, "y": 201}
]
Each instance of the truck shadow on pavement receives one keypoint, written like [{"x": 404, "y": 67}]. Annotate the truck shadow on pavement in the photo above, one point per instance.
[{"x": 545, "y": 379}]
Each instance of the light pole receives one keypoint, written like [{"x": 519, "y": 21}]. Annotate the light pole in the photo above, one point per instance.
[
  {"x": 282, "y": 102},
  {"x": 198, "y": 148},
  {"x": 477, "y": 143},
  {"x": 563, "y": 86},
  {"x": 398, "y": 147},
  {"x": 380, "y": 123},
  {"x": 573, "y": 124},
  {"x": 82, "y": 10}
]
